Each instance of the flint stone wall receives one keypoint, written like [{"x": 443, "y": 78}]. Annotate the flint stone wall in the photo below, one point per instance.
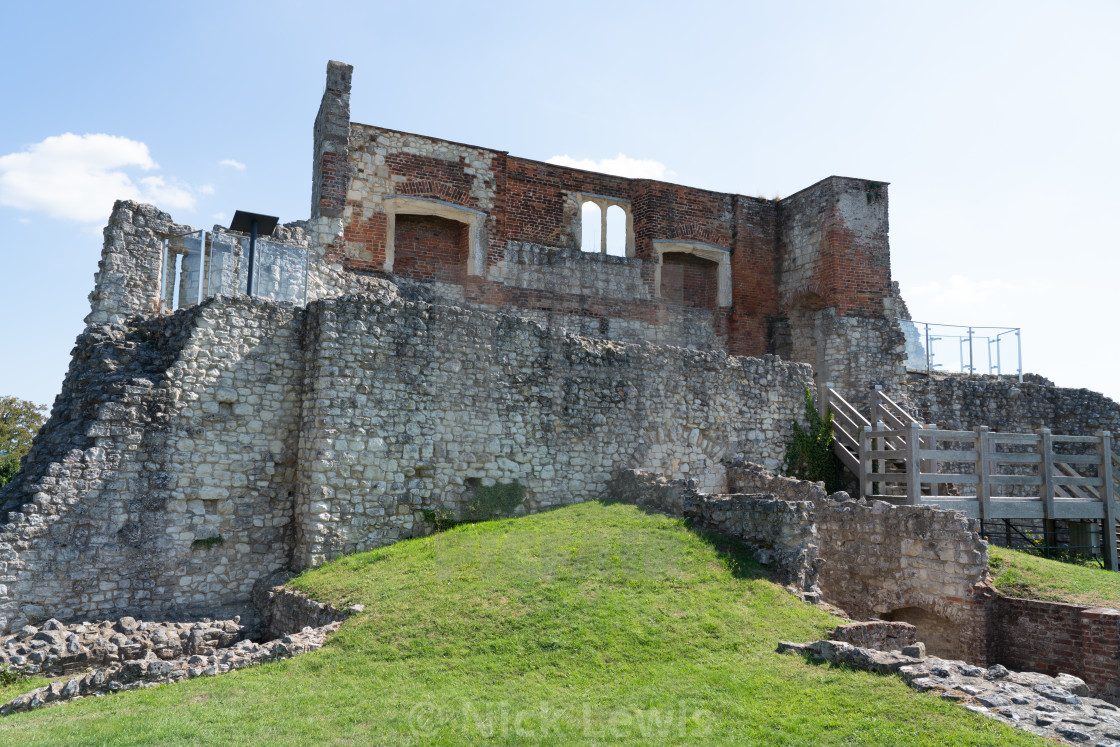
[
  {"x": 780, "y": 533},
  {"x": 962, "y": 402},
  {"x": 925, "y": 565},
  {"x": 191, "y": 455},
  {"x": 882, "y": 560},
  {"x": 284, "y": 611},
  {"x": 409, "y": 406},
  {"x": 163, "y": 481}
]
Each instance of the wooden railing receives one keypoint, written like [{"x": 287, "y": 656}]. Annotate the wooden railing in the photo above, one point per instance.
[{"x": 994, "y": 475}]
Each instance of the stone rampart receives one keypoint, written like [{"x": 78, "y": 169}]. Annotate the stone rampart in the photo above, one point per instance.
[
  {"x": 191, "y": 455},
  {"x": 164, "y": 479},
  {"x": 410, "y": 408}
]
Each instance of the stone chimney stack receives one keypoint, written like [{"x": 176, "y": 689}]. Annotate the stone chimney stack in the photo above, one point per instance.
[{"x": 332, "y": 136}]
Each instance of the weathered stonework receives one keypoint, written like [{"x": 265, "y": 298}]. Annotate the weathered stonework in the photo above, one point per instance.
[
  {"x": 780, "y": 533},
  {"x": 1010, "y": 406},
  {"x": 1056, "y": 708},
  {"x": 191, "y": 455},
  {"x": 911, "y": 564}
]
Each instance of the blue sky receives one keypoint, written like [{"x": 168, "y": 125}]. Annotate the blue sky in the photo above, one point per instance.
[{"x": 995, "y": 122}]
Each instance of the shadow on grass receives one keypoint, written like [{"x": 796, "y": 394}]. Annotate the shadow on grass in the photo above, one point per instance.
[{"x": 733, "y": 553}]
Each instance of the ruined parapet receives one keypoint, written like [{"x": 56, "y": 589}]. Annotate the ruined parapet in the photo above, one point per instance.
[
  {"x": 915, "y": 564},
  {"x": 747, "y": 477},
  {"x": 127, "y": 284}
]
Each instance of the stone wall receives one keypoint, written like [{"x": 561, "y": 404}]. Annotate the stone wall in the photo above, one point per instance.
[
  {"x": 127, "y": 283},
  {"x": 1006, "y": 405},
  {"x": 285, "y": 611},
  {"x": 906, "y": 564},
  {"x": 190, "y": 455},
  {"x": 412, "y": 408},
  {"x": 780, "y": 533},
  {"x": 877, "y": 634},
  {"x": 887, "y": 561},
  {"x": 1054, "y": 638},
  {"x": 163, "y": 479}
]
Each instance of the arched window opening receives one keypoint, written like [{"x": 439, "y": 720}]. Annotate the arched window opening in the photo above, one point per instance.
[
  {"x": 591, "y": 218},
  {"x": 616, "y": 231}
]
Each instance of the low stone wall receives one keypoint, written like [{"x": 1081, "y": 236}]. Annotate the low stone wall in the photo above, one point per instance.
[
  {"x": 781, "y": 533},
  {"x": 746, "y": 477},
  {"x": 1053, "y": 637},
  {"x": 877, "y": 634},
  {"x": 54, "y": 648},
  {"x": 150, "y": 670},
  {"x": 285, "y": 610}
]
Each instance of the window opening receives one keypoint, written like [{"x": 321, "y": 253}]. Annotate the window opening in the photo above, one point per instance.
[{"x": 592, "y": 221}]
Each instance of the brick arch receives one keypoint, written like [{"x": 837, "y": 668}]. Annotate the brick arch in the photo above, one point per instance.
[
  {"x": 698, "y": 232},
  {"x": 435, "y": 190}
]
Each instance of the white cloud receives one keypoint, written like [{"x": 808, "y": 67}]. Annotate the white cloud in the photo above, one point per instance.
[
  {"x": 205, "y": 189},
  {"x": 620, "y": 165},
  {"x": 232, "y": 164},
  {"x": 77, "y": 177}
]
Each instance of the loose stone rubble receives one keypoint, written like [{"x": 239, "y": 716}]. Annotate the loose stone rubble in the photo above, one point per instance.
[
  {"x": 54, "y": 648},
  {"x": 110, "y": 656},
  {"x": 1052, "y": 707}
]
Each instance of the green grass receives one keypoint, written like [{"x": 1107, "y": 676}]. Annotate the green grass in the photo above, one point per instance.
[
  {"x": 1021, "y": 574},
  {"x": 595, "y": 623}
]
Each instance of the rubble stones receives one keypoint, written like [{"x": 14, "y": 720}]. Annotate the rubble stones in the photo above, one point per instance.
[
  {"x": 1052, "y": 707},
  {"x": 59, "y": 649},
  {"x": 150, "y": 670}
]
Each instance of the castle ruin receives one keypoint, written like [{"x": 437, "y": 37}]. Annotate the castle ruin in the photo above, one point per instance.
[{"x": 437, "y": 333}]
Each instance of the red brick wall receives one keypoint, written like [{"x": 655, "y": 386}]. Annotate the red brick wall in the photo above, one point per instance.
[
  {"x": 688, "y": 280},
  {"x": 530, "y": 201},
  {"x": 429, "y": 248},
  {"x": 1051, "y": 637},
  {"x": 754, "y": 276}
]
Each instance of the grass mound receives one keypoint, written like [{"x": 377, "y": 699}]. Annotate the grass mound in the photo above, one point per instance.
[
  {"x": 1020, "y": 574},
  {"x": 595, "y": 623}
]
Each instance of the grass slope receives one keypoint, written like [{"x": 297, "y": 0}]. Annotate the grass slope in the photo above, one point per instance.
[
  {"x": 591, "y": 624},
  {"x": 1021, "y": 574}
]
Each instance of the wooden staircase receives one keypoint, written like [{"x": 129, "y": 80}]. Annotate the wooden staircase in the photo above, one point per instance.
[{"x": 980, "y": 472}]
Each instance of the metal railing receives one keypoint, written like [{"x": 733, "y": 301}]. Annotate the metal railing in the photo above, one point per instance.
[
  {"x": 963, "y": 349},
  {"x": 200, "y": 264}
]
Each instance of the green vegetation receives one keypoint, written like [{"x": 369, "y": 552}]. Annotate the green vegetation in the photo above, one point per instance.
[
  {"x": 209, "y": 542},
  {"x": 1024, "y": 575},
  {"x": 593, "y": 623},
  {"x": 20, "y": 420},
  {"x": 809, "y": 453}
]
